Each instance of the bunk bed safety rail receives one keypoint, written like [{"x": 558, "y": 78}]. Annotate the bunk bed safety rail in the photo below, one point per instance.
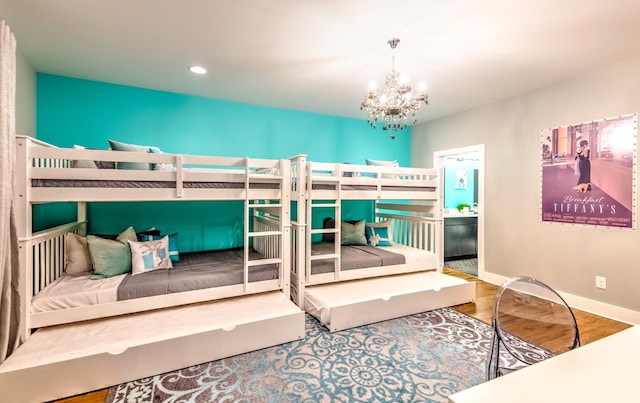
[
  {"x": 267, "y": 245},
  {"x": 417, "y": 232},
  {"x": 51, "y": 170},
  {"x": 48, "y": 254},
  {"x": 319, "y": 170}
]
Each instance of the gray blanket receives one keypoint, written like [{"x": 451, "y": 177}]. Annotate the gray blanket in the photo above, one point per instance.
[
  {"x": 196, "y": 271},
  {"x": 353, "y": 257}
]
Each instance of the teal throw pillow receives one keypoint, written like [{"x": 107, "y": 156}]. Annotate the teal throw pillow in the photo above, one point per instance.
[
  {"x": 352, "y": 234},
  {"x": 111, "y": 257},
  {"x": 377, "y": 236},
  {"x": 119, "y": 146}
]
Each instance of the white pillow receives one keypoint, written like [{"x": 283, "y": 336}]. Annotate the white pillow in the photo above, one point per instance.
[
  {"x": 379, "y": 163},
  {"x": 150, "y": 255},
  {"x": 77, "y": 258},
  {"x": 84, "y": 163}
]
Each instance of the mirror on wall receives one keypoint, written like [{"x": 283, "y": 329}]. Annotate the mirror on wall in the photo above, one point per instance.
[
  {"x": 461, "y": 211},
  {"x": 461, "y": 181}
]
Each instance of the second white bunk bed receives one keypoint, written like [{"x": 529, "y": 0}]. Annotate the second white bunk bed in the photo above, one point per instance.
[
  {"x": 135, "y": 338},
  {"x": 343, "y": 294}
]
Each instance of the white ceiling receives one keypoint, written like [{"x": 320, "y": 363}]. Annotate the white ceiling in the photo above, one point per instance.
[{"x": 320, "y": 56}]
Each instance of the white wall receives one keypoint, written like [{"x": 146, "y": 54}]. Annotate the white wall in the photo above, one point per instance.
[
  {"x": 567, "y": 257},
  {"x": 25, "y": 82},
  {"x": 25, "y": 96}
]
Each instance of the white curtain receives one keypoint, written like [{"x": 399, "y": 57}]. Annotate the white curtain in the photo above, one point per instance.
[{"x": 10, "y": 315}]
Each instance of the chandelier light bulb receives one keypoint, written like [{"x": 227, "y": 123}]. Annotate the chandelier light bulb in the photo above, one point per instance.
[
  {"x": 373, "y": 85},
  {"x": 395, "y": 106}
]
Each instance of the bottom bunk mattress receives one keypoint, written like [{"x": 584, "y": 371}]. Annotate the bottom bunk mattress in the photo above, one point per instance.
[
  {"x": 194, "y": 271},
  {"x": 354, "y": 303},
  {"x": 359, "y": 257}
]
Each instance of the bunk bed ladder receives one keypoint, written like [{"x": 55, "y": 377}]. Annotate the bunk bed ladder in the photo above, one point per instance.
[
  {"x": 265, "y": 226},
  {"x": 337, "y": 214}
]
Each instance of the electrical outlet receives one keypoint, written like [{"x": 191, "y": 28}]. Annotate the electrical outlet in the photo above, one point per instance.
[{"x": 601, "y": 282}]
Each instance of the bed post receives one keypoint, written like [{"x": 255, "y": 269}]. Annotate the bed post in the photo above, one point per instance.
[
  {"x": 439, "y": 224},
  {"x": 285, "y": 222},
  {"x": 299, "y": 238},
  {"x": 24, "y": 227},
  {"x": 82, "y": 218}
]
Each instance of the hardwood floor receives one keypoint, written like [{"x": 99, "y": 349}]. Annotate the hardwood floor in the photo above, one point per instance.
[{"x": 591, "y": 327}]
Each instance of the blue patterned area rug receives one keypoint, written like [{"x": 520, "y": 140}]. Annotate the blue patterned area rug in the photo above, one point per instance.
[{"x": 424, "y": 357}]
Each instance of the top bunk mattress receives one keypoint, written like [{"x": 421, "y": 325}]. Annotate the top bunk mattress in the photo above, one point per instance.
[
  {"x": 79, "y": 183},
  {"x": 367, "y": 187}
]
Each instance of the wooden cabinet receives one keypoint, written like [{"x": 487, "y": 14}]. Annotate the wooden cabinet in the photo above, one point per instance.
[{"x": 460, "y": 237}]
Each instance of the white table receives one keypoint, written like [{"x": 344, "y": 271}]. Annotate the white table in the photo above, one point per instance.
[{"x": 607, "y": 370}]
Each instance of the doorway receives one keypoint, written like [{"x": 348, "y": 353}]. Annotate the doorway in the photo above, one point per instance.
[{"x": 464, "y": 228}]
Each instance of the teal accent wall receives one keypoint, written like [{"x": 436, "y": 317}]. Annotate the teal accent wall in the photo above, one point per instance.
[{"x": 74, "y": 111}]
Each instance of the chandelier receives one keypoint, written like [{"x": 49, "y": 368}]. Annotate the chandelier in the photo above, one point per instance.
[{"x": 395, "y": 105}]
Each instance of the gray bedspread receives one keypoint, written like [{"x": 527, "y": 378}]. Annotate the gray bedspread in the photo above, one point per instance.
[
  {"x": 196, "y": 271},
  {"x": 353, "y": 257}
]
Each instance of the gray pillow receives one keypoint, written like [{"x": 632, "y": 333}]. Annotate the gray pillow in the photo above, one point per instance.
[{"x": 77, "y": 258}]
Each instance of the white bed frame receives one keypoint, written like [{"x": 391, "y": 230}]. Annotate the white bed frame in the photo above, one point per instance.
[
  {"x": 418, "y": 224},
  {"x": 41, "y": 258}
]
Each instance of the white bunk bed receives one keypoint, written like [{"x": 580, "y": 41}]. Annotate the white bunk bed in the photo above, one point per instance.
[
  {"x": 149, "y": 335},
  {"x": 343, "y": 297}
]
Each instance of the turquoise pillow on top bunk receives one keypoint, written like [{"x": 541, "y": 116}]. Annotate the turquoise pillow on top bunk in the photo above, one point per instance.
[
  {"x": 119, "y": 146},
  {"x": 111, "y": 257},
  {"x": 379, "y": 163},
  {"x": 352, "y": 234}
]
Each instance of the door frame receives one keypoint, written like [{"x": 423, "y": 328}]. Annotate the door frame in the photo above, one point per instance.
[{"x": 438, "y": 162}]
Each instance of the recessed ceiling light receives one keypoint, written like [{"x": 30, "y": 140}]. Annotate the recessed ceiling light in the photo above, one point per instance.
[{"x": 197, "y": 70}]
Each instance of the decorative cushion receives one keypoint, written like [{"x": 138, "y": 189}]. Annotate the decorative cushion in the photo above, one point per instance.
[
  {"x": 150, "y": 231},
  {"x": 379, "y": 163},
  {"x": 160, "y": 166},
  {"x": 119, "y": 146},
  {"x": 111, "y": 257},
  {"x": 173, "y": 244},
  {"x": 379, "y": 233},
  {"x": 352, "y": 234},
  {"x": 92, "y": 164},
  {"x": 77, "y": 258},
  {"x": 150, "y": 255}
]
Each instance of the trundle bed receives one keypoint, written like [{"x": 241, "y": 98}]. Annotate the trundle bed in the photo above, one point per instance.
[
  {"x": 345, "y": 285},
  {"x": 85, "y": 334}
]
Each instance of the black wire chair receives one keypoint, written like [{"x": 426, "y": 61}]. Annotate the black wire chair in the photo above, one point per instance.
[{"x": 531, "y": 322}]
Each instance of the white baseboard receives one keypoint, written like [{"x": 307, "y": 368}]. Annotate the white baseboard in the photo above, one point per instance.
[{"x": 584, "y": 304}]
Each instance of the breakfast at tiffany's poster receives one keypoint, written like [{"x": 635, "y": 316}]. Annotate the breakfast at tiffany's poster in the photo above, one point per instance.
[{"x": 588, "y": 173}]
